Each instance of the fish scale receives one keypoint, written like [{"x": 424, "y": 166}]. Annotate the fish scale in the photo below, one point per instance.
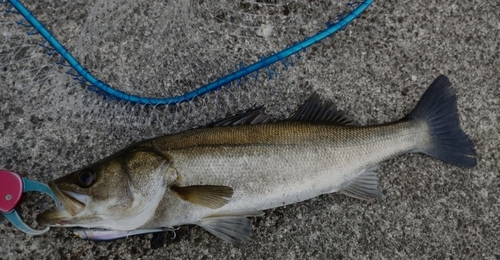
[
  {"x": 291, "y": 162},
  {"x": 218, "y": 176}
]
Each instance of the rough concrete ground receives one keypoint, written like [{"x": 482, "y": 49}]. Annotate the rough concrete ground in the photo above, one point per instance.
[{"x": 376, "y": 70}]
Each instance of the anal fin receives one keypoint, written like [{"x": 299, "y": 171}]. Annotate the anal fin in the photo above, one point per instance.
[
  {"x": 364, "y": 187},
  {"x": 211, "y": 196},
  {"x": 235, "y": 228}
]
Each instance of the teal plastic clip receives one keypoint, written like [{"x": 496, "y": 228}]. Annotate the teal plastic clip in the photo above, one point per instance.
[{"x": 12, "y": 187}]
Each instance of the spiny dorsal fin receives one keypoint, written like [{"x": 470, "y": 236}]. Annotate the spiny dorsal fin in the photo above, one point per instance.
[
  {"x": 364, "y": 187},
  {"x": 249, "y": 117},
  {"x": 314, "y": 110},
  {"x": 235, "y": 228},
  {"x": 210, "y": 196}
]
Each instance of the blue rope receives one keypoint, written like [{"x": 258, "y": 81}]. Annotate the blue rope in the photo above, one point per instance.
[{"x": 117, "y": 94}]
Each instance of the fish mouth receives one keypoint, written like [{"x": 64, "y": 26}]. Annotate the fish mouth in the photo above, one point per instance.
[{"x": 72, "y": 204}]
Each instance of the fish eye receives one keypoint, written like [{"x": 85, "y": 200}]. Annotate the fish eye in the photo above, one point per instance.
[{"x": 86, "y": 178}]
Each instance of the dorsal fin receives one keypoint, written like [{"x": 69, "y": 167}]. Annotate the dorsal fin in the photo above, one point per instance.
[
  {"x": 315, "y": 110},
  {"x": 250, "y": 117}
]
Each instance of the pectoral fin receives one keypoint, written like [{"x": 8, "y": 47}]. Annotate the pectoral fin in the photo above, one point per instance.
[
  {"x": 364, "y": 187},
  {"x": 211, "y": 196},
  {"x": 235, "y": 228}
]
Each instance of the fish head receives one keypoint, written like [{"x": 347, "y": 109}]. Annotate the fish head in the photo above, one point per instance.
[{"x": 120, "y": 192}]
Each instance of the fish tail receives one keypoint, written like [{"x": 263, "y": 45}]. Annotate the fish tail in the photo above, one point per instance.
[{"x": 438, "y": 107}]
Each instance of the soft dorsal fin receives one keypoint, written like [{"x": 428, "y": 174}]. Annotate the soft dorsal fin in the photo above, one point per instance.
[
  {"x": 250, "y": 117},
  {"x": 315, "y": 110},
  {"x": 364, "y": 187},
  {"x": 210, "y": 196}
]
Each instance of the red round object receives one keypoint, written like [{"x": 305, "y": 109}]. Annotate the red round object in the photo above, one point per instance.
[{"x": 11, "y": 189}]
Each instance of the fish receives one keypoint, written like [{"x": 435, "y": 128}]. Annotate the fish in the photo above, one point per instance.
[{"x": 220, "y": 176}]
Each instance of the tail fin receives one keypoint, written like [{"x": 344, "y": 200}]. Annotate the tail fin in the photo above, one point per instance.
[{"x": 438, "y": 107}]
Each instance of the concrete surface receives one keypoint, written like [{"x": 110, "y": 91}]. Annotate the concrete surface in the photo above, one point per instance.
[{"x": 376, "y": 71}]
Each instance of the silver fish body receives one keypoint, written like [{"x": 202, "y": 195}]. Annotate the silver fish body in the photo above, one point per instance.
[
  {"x": 285, "y": 163},
  {"x": 218, "y": 176}
]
